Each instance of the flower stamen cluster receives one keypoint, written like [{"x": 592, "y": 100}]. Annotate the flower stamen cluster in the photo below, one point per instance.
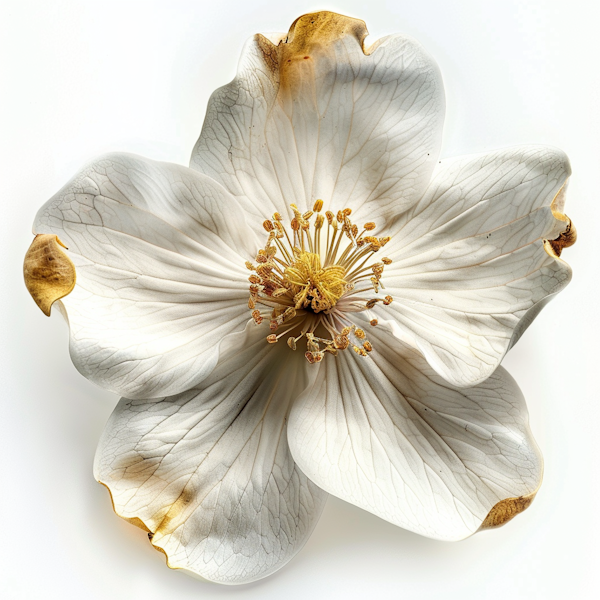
[{"x": 308, "y": 280}]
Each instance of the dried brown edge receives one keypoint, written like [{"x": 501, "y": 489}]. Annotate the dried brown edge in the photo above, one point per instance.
[
  {"x": 307, "y": 34},
  {"x": 48, "y": 272},
  {"x": 566, "y": 239},
  {"x": 139, "y": 523},
  {"x": 569, "y": 236},
  {"x": 506, "y": 510}
]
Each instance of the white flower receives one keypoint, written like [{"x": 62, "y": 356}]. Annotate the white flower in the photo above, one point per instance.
[{"x": 224, "y": 446}]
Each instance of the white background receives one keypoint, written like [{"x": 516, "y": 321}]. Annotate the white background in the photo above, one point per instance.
[{"x": 80, "y": 78}]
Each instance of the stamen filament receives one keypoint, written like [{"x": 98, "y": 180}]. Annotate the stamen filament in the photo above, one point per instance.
[{"x": 302, "y": 293}]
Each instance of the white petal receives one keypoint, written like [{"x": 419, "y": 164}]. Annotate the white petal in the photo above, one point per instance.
[
  {"x": 209, "y": 471},
  {"x": 470, "y": 269},
  {"x": 388, "y": 434},
  {"x": 159, "y": 252},
  {"x": 319, "y": 117}
]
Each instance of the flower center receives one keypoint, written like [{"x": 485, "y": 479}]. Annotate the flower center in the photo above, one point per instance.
[
  {"x": 313, "y": 286},
  {"x": 309, "y": 281}
]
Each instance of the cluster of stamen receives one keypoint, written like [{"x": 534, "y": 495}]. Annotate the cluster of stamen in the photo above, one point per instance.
[{"x": 308, "y": 281}]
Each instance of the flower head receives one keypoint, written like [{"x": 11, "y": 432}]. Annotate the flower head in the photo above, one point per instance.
[{"x": 318, "y": 304}]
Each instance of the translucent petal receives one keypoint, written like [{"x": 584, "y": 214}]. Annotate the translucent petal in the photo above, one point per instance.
[
  {"x": 319, "y": 116},
  {"x": 159, "y": 252},
  {"x": 470, "y": 265},
  {"x": 209, "y": 472},
  {"x": 388, "y": 434}
]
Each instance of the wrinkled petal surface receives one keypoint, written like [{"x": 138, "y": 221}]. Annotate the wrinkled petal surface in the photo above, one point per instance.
[
  {"x": 390, "y": 435},
  {"x": 209, "y": 471},
  {"x": 470, "y": 269},
  {"x": 318, "y": 116},
  {"x": 159, "y": 252}
]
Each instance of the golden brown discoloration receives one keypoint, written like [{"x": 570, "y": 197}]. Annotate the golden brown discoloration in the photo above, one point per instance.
[
  {"x": 567, "y": 238},
  {"x": 138, "y": 523},
  {"x": 505, "y": 510},
  {"x": 270, "y": 54},
  {"x": 49, "y": 273},
  {"x": 171, "y": 519},
  {"x": 318, "y": 30},
  {"x": 310, "y": 39},
  {"x": 133, "y": 520}
]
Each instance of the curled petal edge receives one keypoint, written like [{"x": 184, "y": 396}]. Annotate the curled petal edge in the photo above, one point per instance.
[
  {"x": 569, "y": 236},
  {"x": 141, "y": 525},
  {"x": 48, "y": 272}
]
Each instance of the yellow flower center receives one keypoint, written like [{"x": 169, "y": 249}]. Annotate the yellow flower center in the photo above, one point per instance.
[
  {"x": 313, "y": 286},
  {"x": 309, "y": 283}
]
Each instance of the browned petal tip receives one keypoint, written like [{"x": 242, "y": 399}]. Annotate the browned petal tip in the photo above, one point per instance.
[
  {"x": 505, "y": 510},
  {"x": 323, "y": 27},
  {"x": 567, "y": 238},
  {"x": 138, "y": 523},
  {"x": 48, "y": 272}
]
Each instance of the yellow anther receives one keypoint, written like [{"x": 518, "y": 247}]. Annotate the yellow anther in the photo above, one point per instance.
[
  {"x": 295, "y": 225},
  {"x": 319, "y": 221},
  {"x": 341, "y": 342},
  {"x": 318, "y": 205},
  {"x": 340, "y": 216},
  {"x": 264, "y": 270},
  {"x": 384, "y": 240},
  {"x": 307, "y": 215},
  {"x": 386, "y": 261},
  {"x": 346, "y": 331},
  {"x": 347, "y": 212},
  {"x": 277, "y": 217},
  {"x": 373, "y": 322},
  {"x": 254, "y": 279},
  {"x": 330, "y": 216},
  {"x": 249, "y": 266},
  {"x": 360, "y": 334},
  {"x": 359, "y": 350},
  {"x": 387, "y": 300},
  {"x": 268, "y": 226},
  {"x": 369, "y": 226},
  {"x": 272, "y": 339},
  {"x": 251, "y": 303},
  {"x": 292, "y": 343},
  {"x": 371, "y": 303},
  {"x": 367, "y": 346}
]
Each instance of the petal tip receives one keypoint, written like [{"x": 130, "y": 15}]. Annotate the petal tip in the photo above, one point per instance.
[
  {"x": 566, "y": 239},
  {"x": 506, "y": 510},
  {"x": 323, "y": 27},
  {"x": 48, "y": 272}
]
